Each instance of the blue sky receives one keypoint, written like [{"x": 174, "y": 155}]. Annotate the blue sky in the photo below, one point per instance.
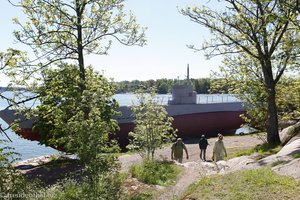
[{"x": 164, "y": 56}]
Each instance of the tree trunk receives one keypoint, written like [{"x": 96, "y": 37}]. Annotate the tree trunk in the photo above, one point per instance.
[
  {"x": 272, "y": 125},
  {"x": 79, "y": 44},
  {"x": 82, "y": 85},
  {"x": 272, "y": 121}
]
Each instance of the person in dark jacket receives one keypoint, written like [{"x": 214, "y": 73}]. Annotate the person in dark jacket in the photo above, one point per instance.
[{"x": 203, "y": 145}]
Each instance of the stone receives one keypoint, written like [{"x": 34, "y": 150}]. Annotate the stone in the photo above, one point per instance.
[
  {"x": 286, "y": 134},
  {"x": 289, "y": 169}
]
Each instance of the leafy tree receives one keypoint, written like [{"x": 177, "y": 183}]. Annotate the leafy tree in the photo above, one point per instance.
[
  {"x": 75, "y": 108},
  {"x": 153, "y": 126},
  {"x": 261, "y": 31},
  {"x": 202, "y": 85},
  {"x": 61, "y": 119},
  {"x": 67, "y": 30},
  {"x": 8, "y": 59},
  {"x": 242, "y": 78},
  {"x": 162, "y": 88},
  {"x": 289, "y": 99},
  {"x": 62, "y": 30}
]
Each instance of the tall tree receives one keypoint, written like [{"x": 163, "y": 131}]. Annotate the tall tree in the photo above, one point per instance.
[
  {"x": 260, "y": 29},
  {"x": 76, "y": 108},
  {"x": 67, "y": 30}
]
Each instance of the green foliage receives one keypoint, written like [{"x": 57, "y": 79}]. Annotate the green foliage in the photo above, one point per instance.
[
  {"x": 239, "y": 151},
  {"x": 77, "y": 122},
  {"x": 65, "y": 31},
  {"x": 12, "y": 182},
  {"x": 244, "y": 80},
  {"x": 164, "y": 86},
  {"x": 202, "y": 85},
  {"x": 103, "y": 186},
  {"x": 153, "y": 126},
  {"x": 250, "y": 184},
  {"x": 142, "y": 196},
  {"x": 155, "y": 172},
  {"x": 260, "y": 42},
  {"x": 288, "y": 98},
  {"x": 252, "y": 91},
  {"x": 8, "y": 61},
  {"x": 59, "y": 30},
  {"x": 267, "y": 149}
]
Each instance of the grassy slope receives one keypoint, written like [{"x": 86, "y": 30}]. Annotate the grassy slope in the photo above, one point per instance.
[{"x": 251, "y": 184}]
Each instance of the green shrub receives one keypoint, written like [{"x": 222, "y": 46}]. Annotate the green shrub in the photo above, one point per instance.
[
  {"x": 141, "y": 196},
  {"x": 104, "y": 186},
  {"x": 12, "y": 183},
  {"x": 155, "y": 172}
]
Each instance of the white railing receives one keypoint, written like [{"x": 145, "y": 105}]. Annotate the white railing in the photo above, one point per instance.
[
  {"x": 130, "y": 99},
  {"x": 201, "y": 98}
]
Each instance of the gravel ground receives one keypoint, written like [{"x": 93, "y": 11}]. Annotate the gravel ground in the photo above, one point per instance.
[{"x": 193, "y": 149}]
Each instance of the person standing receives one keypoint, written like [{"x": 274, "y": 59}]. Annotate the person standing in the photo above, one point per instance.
[
  {"x": 177, "y": 150},
  {"x": 219, "y": 149},
  {"x": 203, "y": 145}
]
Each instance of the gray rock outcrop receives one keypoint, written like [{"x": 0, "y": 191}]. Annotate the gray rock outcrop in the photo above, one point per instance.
[{"x": 288, "y": 133}]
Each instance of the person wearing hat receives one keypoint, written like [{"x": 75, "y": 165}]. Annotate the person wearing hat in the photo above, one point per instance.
[
  {"x": 203, "y": 145},
  {"x": 177, "y": 151},
  {"x": 219, "y": 149}
]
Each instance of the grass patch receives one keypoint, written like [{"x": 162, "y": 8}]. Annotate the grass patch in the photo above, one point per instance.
[
  {"x": 251, "y": 184},
  {"x": 266, "y": 149},
  {"x": 296, "y": 155},
  {"x": 239, "y": 151},
  {"x": 278, "y": 162},
  {"x": 262, "y": 150},
  {"x": 155, "y": 172}
]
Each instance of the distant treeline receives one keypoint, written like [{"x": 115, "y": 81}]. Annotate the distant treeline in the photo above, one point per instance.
[
  {"x": 4, "y": 89},
  {"x": 164, "y": 86}
]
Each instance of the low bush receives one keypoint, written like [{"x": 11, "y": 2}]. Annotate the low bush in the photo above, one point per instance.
[
  {"x": 12, "y": 184},
  {"x": 155, "y": 172},
  {"x": 105, "y": 186}
]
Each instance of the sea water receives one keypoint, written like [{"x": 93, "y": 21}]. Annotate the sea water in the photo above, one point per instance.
[{"x": 31, "y": 149}]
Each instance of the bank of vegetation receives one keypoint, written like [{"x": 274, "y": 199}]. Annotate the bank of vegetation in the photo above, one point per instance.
[{"x": 164, "y": 86}]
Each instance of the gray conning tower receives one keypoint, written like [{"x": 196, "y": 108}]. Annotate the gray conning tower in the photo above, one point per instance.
[{"x": 183, "y": 93}]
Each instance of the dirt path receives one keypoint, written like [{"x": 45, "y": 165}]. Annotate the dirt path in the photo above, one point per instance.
[
  {"x": 193, "y": 169},
  {"x": 193, "y": 149}
]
